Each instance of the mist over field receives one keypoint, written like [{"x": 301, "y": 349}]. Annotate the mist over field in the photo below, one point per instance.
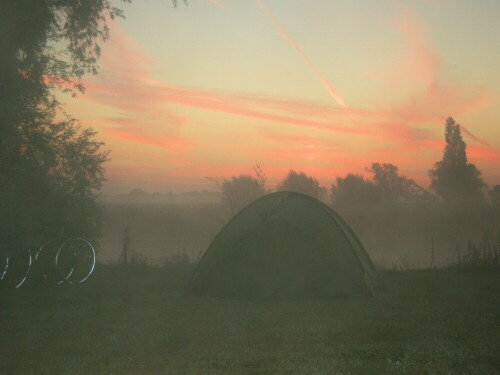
[
  {"x": 164, "y": 226},
  {"x": 159, "y": 231}
]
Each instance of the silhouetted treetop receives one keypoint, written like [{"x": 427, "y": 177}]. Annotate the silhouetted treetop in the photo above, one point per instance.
[
  {"x": 454, "y": 150},
  {"x": 241, "y": 191},
  {"x": 355, "y": 193},
  {"x": 453, "y": 178},
  {"x": 301, "y": 183},
  {"x": 396, "y": 187}
]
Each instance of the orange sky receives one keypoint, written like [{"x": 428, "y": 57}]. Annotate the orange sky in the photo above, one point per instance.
[{"x": 213, "y": 88}]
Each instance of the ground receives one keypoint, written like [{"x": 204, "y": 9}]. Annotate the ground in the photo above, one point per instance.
[{"x": 139, "y": 320}]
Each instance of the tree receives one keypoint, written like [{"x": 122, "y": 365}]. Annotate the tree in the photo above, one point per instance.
[
  {"x": 50, "y": 171},
  {"x": 397, "y": 188},
  {"x": 242, "y": 190},
  {"x": 494, "y": 194},
  {"x": 453, "y": 178},
  {"x": 301, "y": 183},
  {"x": 355, "y": 193}
]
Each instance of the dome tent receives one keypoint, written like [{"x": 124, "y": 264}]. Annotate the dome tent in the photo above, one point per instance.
[{"x": 284, "y": 245}]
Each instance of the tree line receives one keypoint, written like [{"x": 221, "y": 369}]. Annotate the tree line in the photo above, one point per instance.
[{"x": 454, "y": 183}]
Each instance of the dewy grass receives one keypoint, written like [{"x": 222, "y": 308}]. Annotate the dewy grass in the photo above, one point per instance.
[
  {"x": 138, "y": 320},
  {"x": 485, "y": 256}
]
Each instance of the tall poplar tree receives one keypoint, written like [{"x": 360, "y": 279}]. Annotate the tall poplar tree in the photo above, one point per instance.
[{"x": 453, "y": 178}]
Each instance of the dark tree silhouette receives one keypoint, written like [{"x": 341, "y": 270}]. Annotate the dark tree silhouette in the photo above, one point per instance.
[
  {"x": 355, "y": 193},
  {"x": 241, "y": 191},
  {"x": 301, "y": 183},
  {"x": 494, "y": 194},
  {"x": 453, "y": 178},
  {"x": 397, "y": 188},
  {"x": 50, "y": 171}
]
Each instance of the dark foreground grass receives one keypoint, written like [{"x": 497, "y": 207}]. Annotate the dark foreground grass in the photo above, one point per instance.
[{"x": 139, "y": 321}]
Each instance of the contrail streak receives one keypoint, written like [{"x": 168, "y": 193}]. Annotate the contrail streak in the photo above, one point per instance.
[
  {"x": 281, "y": 31},
  {"x": 473, "y": 137}
]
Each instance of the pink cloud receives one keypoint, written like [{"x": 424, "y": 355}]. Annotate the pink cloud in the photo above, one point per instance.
[
  {"x": 138, "y": 135},
  {"x": 148, "y": 117},
  {"x": 422, "y": 62},
  {"x": 129, "y": 88},
  {"x": 293, "y": 139},
  {"x": 489, "y": 154}
]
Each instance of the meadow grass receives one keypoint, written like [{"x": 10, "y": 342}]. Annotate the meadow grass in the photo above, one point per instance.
[{"x": 139, "y": 320}]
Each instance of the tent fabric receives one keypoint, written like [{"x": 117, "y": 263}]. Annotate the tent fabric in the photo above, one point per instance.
[{"x": 284, "y": 245}]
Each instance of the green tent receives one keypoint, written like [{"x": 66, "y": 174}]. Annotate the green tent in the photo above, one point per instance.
[{"x": 284, "y": 245}]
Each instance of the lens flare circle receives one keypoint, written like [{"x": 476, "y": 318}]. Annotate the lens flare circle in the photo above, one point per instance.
[
  {"x": 88, "y": 248},
  {"x": 64, "y": 260}
]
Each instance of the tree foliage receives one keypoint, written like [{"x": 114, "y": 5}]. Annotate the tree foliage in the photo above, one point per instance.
[
  {"x": 241, "y": 191},
  {"x": 494, "y": 195},
  {"x": 355, "y": 193},
  {"x": 453, "y": 178},
  {"x": 396, "y": 188},
  {"x": 50, "y": 166},
  {"x": 301, "y": 183}
]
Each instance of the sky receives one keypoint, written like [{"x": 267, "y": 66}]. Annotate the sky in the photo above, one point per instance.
[{"x": 325, "y": 87}]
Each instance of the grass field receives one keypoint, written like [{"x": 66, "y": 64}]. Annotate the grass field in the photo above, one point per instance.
[{"x": 139, "y": 320}]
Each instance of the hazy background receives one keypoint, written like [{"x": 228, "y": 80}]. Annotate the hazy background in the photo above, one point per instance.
[
  {"x": 212, "y": 88},
  {"x": 171, "y": 225}
]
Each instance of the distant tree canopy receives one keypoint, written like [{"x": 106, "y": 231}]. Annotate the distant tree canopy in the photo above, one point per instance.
[
  {"x": 50, "y": 170},
  {"x": 301, "y": 183},
  {"x": 355, "y": 193},
  {"x": 241, "y": 191},
  {"x": 397, "y": 188},
  {"x": 453, "y": 178}
]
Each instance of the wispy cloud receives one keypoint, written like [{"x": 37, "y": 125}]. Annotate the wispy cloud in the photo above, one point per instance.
[
  {"x": 139, "y": 135},
  {"x": 292, "y": 43},
  {"x": 128, "y": 86},
  {"x": 421, "y": 66},
  {"x": 474, "y": 138},
  {"x": 148, "y": 112}
]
